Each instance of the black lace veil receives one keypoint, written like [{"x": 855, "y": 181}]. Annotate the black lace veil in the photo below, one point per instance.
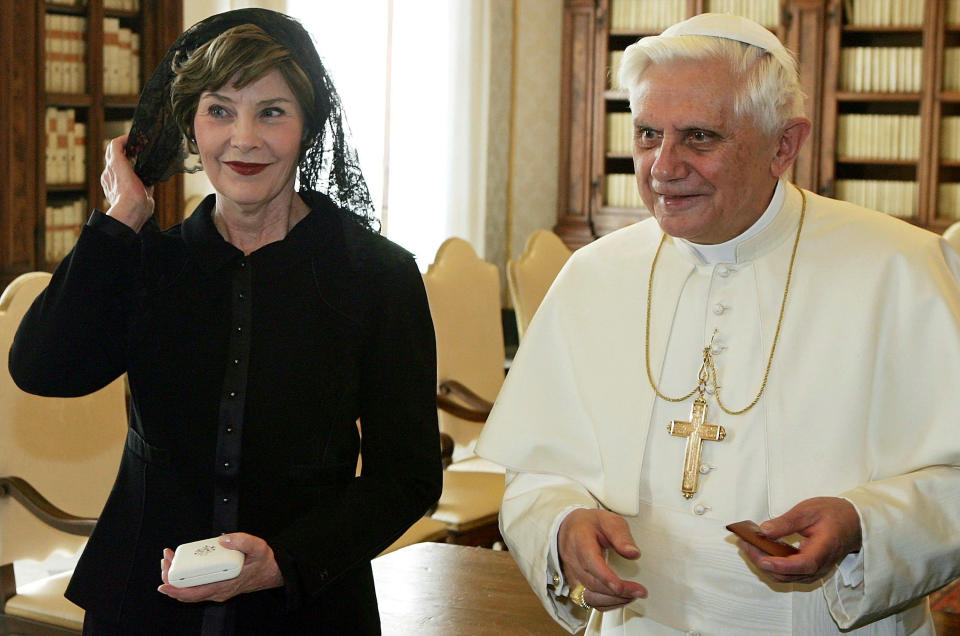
[{"x": 329, "y": 165}]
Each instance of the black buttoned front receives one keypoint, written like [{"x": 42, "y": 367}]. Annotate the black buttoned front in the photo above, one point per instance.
[
  {"x": 334, "y": 326},
  {"x": 226, "y": 486},
  {"x": 229, "y": 444}
]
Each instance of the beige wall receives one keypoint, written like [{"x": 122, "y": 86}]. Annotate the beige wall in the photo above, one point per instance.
[
  {"x": 498, "y": 51},
  {"x": 534, "y": 148},
  {"x": 523, "y": 124}
]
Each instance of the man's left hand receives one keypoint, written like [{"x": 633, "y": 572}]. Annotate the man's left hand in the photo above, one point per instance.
[
  {"x": 260, "y": 572},
  {"x": 831, "y": 530}
]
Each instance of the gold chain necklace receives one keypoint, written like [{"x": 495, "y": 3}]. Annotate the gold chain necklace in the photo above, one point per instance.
[{"x": 708, "y": 370}]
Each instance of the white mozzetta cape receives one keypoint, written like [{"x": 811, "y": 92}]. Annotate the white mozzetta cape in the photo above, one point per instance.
[{"x": 859, "y": 402}]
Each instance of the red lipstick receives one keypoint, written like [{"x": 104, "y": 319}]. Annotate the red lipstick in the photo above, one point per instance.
[{"x": 243, "y": 168}]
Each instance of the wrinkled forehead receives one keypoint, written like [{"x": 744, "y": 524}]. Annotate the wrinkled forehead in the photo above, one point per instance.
[{"x": 684, "y": 88}]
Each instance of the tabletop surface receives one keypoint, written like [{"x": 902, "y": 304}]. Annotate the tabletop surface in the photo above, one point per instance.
[{"x": 451, "y": 590}]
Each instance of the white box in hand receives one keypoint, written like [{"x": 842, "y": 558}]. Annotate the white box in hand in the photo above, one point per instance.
[{"x": 204, "y": 561}]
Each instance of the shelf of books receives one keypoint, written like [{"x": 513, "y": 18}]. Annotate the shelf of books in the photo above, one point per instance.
[
  {"x": 72, "y": 71},
  {"x": 889, "y": 133},
  {"x": 89, "y": 95},
  {"x": 946, "y": 160}
]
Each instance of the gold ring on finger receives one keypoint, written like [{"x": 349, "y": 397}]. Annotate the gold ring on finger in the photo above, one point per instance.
[{"x": 576, "y": 595}]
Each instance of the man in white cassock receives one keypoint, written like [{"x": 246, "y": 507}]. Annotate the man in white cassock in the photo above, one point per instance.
[{"x": 753, "y": 352}]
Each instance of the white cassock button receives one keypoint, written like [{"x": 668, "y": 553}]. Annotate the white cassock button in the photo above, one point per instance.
[
  {"x": 710, "y": 389},
  {"x": 719, "y": 308},
  {"x": 717, "y": 347},
  {"x": 723, "y": 270},
  {"x": 705, "y": 468},
  {"x": 699, "y": 509}
]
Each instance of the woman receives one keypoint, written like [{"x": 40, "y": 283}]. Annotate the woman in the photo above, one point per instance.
[{"x": 254, "y": 336}]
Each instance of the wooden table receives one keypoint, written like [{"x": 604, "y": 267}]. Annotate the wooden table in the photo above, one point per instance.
[{"x": 451, "y": 590}]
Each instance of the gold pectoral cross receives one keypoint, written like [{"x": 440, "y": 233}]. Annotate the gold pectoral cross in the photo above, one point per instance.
[{"x": 696, "y": 431}]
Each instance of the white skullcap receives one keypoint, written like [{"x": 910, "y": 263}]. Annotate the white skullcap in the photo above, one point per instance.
[{"x": 732, "y": 27}]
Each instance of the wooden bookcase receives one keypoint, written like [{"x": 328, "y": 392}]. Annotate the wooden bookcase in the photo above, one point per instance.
[
  {"x": 816, "y": 31},
  {"x": 24, "y": 191},
  {"x": 931, "y": 104}
]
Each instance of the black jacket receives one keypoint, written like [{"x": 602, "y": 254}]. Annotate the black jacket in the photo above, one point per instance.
[{"x": 247, "y": 376}]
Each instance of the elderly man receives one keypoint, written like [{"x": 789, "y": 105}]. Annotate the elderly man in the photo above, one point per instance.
[{"x": 753, "y": 352}]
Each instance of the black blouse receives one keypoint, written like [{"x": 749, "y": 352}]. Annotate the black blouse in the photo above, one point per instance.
[{"x": 248, "y": 375}]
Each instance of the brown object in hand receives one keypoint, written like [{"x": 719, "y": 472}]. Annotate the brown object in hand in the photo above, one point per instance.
[{"x": 750, "y": 532}]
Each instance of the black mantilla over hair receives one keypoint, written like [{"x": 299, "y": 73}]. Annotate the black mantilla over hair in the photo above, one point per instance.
[{"x": 328, "y": 166}]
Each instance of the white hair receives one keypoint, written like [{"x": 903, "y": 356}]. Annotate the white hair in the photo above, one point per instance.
[{"x": 770, "y": 91}]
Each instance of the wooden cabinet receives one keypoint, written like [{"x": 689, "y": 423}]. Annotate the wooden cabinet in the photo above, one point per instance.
[
  {"x": 25, "y": 187},
  {"x": 597, "y": 191}
]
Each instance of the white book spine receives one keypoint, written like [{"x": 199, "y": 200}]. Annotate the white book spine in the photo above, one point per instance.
[
  {"x": 124, "y": 77},
  {"x": 70, "y": 116},
  {"x": 79, "y": 162},
  {"x": 135, "y": 62},
  {"x": 51, "y": 145},
  {"x": 62, "y": 152}
]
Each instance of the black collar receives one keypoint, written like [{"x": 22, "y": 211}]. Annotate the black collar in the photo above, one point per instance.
[{"x": 320, "y": 239}]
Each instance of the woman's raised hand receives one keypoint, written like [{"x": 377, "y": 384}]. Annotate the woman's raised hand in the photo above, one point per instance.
[{"x": 130, "y": 201}]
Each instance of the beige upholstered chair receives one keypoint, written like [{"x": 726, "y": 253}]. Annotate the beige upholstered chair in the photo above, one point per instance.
[
  {"x": 464, "y": 294},
  {"x": 530, "y": 276},
  {"x": 952, "y": 236},
  {"x": 55, "y": 454}
]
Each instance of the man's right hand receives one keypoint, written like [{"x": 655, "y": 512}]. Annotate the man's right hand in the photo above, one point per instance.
[{"x": 582, "y": 541}]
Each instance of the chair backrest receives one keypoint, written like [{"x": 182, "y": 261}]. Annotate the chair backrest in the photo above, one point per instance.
[
  {"x": 67, "y": 448},
  {"x": 530, "y": 276},
  {"x": 464, "y": 294},
  {"x": 952, "y": 236}
]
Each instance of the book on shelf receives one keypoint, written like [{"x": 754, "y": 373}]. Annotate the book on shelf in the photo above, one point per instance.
[
  {"x": 657, "y": 15},
  {"x": 121, "y": 59},
  {"x": 950, "y": 138},
  {"x": 69, "y": 3},
  {"x": 65, "y": 68},
  {"x": 896, "y": 198},
  {"x": 621, "y": 191},
  {"x": 78, "y": 153},
  {"x": 122, "y": 5},
  {"x": 62, "y": 225},
  {"x": 765, "y": 12},
  {"x": 880, "y": 69},
  {"x": 65, "y": 147},
  {"x": 953, "y": 14},
  {"x": 619, "y": 133},
  {"x": 894, "y": 137},
  {"x": 948, "y": 201},
  {"x": 646, "y": 15},
  {"x": 951, "y": 68},
  {"x": 884, "y": 13}
]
